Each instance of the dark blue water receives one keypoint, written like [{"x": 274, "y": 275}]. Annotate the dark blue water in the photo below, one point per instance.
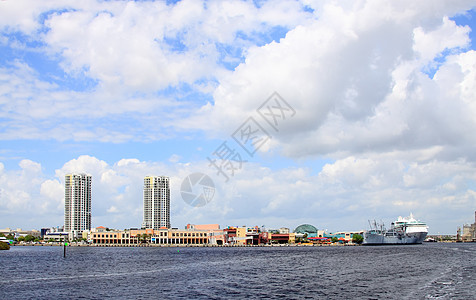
[{"x": 428, "y": 271}]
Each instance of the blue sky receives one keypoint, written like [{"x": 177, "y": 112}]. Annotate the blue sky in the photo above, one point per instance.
[{"x": 383, "y": 96}]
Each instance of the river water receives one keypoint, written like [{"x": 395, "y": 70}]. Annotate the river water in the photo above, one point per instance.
[{"x": 427, "y": 271}]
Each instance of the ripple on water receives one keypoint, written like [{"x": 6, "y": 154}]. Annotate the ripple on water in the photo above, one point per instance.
[{"x": 423, "y": 271}]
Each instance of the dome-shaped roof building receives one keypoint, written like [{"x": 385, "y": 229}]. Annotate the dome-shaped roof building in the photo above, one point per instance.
[{"x": 306, "y": 228}]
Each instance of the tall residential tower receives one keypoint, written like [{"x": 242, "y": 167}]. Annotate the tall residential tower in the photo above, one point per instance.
[
  {"x": 77, "y": 204},
  {"x": 156, "y": 202}
]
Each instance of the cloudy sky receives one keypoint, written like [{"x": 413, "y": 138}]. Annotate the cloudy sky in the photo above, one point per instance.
[{"x": 323, "y": 112}]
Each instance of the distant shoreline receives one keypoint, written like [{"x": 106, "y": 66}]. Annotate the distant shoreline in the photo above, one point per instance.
[
  {"x": 184, "y": 246},
  {"x": 199, "y": 245}
]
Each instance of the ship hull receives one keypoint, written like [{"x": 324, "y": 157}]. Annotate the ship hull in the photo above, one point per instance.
[{"x": 404, "y": 239}]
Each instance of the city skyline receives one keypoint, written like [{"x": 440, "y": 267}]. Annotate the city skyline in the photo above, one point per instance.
[{"x": 365, "y": 110}]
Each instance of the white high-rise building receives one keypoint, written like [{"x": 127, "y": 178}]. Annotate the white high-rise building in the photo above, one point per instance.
[
  {"x": 156, "y": 202},
  {"x": 77, "y": 204}
]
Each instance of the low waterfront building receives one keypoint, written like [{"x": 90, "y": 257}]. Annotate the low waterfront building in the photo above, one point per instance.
[
  {"x": 185, "y": 237},
  {"x": 248, "y": 236},
  {"x": 162, "y": 236},
  {"x": 56, "y": 237},
  {"x": 117, "y": 237},
  {"x": 242, "y": 236},
  {"x": 230, "y": 234},
  {"x": 143, "y": 235},
  {"x": 46, "y": 230},
  {"x": 469, "y": 231},
  {"x": 282, "y": 238}
]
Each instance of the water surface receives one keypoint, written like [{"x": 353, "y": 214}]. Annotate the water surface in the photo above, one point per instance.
[{"x": 428, "y": 271}]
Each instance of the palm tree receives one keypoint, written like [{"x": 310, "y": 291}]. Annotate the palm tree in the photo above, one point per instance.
[{"x": 144, "y": 237}]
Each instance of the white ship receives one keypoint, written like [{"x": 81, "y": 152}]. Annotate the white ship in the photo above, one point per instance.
[{"x": 403, "y": 231}]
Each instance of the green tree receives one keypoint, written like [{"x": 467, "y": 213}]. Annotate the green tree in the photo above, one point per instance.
[
  {"x": 1, "y": 234},
  {"x": 334, "y": 239},
  {"x": 357, "y": 239},
  {"x": 144, "y": 237},
  {"x": 10, "y": 237},
  {"x": 21, "y": 238},
  {"x": 4, "y": 246},
  {"x": 51, "y": 240},
  {"x": 29, "y": 238}
]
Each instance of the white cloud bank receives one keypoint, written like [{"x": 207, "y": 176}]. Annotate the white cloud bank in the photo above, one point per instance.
[
  {"x": 354, "y": 71},
  {"x": 121, "y": 61},
  {"x": 357, "y": 78}
]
